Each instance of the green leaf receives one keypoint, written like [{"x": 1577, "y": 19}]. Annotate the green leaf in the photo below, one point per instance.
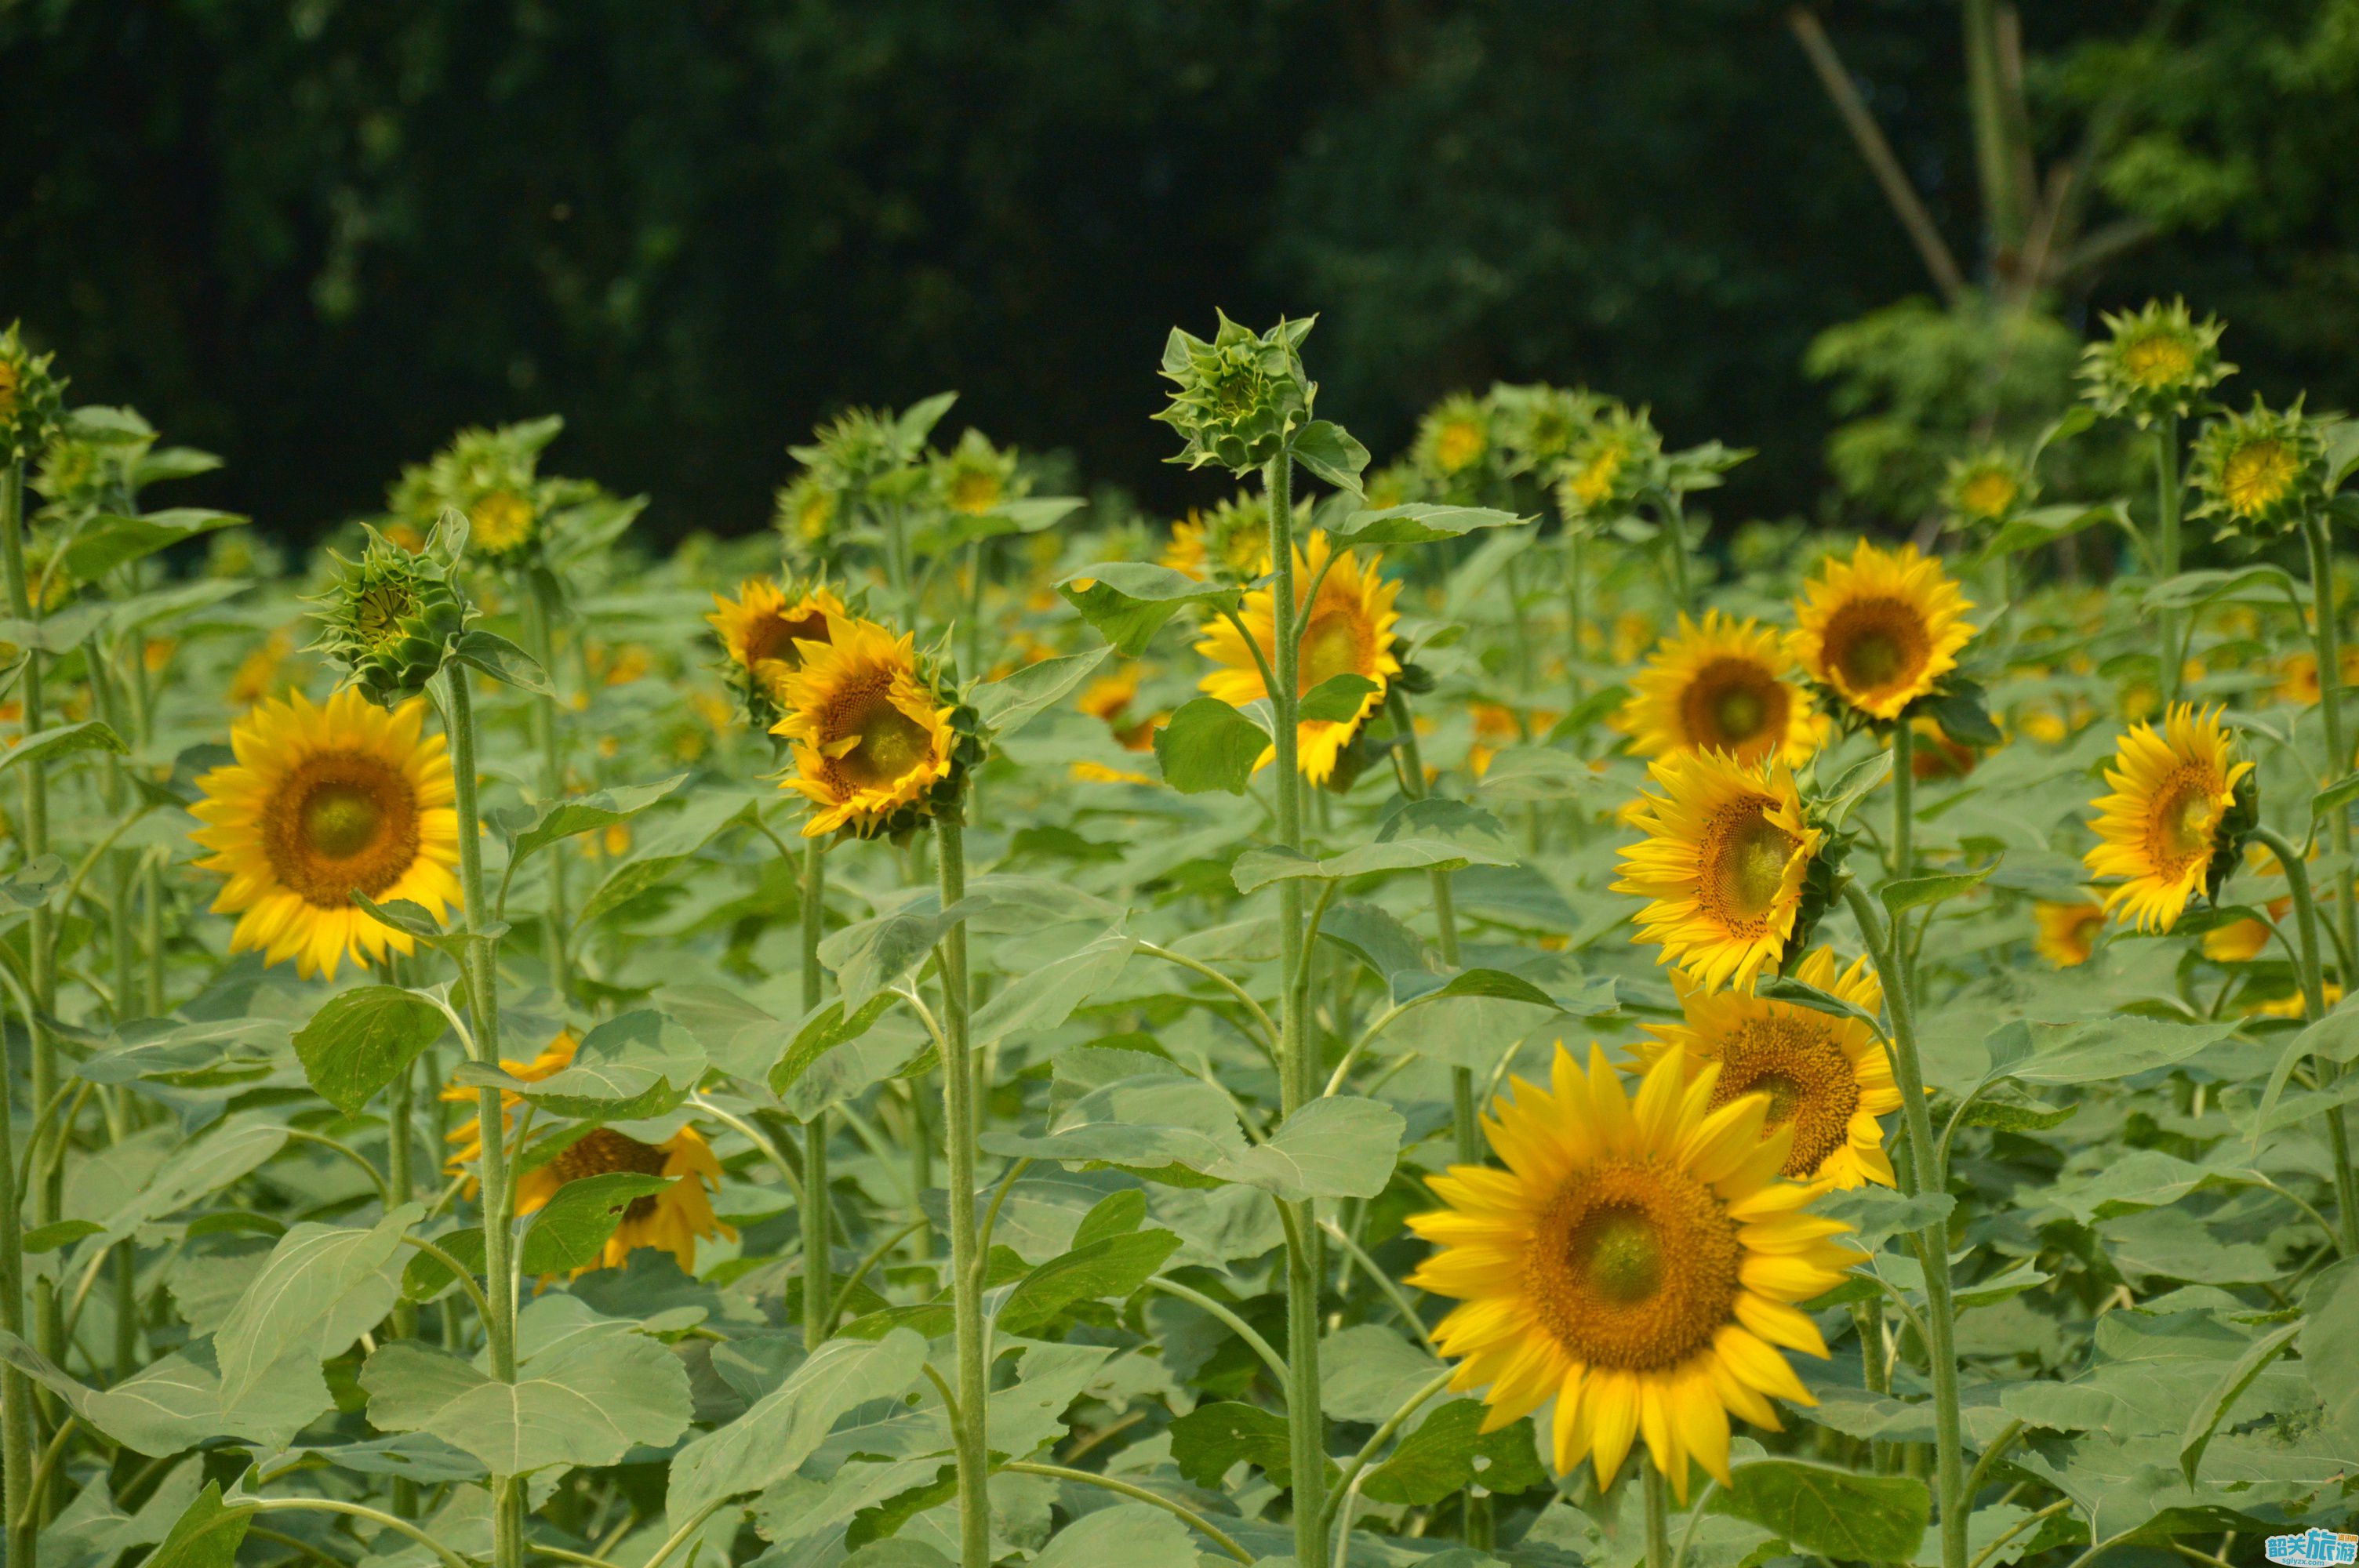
[
  {"x": 1210, "y": 1438},
  {"x": 1116, "y": 1214},
  {"x": 771, "y": 1440},
  {"x": 2330, "y": 1344},
  {"x": 107, "y": 542},
  {"x": 1801, "y": 993},
  {"x": 1417, "y": 523},
  {"x": 424, "y": 1278},
  {"x": 2189, "y": 590},
  {"x": 2095, "y": 1050},
  {"x": 207, "y": 1536},
  {"x": 1335, "y": 700},
  {"x": 1045, "y": 998},
  {"x": 894, "y": 1552},
  {"x": 33, "y": 884},
  {"x": 668, "y": 850},
  {"x": 322, "y": 1285},
  {"x": 1433, "y": 1461},
  {"x": 197, "y": 1169},
  {"x": 570, "y": 1231},
  {"x": 502, "y": 661},
  {"x": 1542, "y": 772},
  {"x": 175, "y": 1402},
  {"x": 639, "y": 1065},
  {"x": 1915, "y": 893},
  {"x": 827, "y": 1027},
  {"x": 1149, "y": 1120},
  {"x": 1856, "y": 784},
  {"x": 1332, "y": 453},
  {"x": 1469, "y": 982},
  {"x": 1128, "y": 601},
  {"x": 1257, "y": 869},
  {"x": 1209, "y": 745},
  {"x": 61, "y": 1233},
  {"x": 361, "y": 1039},
  {"x": 2334, "y": 797},
  {"x": 1836, "y": 1513},
  {"x": 1007, "y": 705},
  {"x": 1134, "y": 1535},
  {"x": 2205, "y": 1419},
  {"x": 1337, "y": 1147},
  {"x": 563, "y": 819},
  {"x": 62, "y": 741},
  {"x": 868, "y": 957},
  {"x": 1108, "y": 1268}
]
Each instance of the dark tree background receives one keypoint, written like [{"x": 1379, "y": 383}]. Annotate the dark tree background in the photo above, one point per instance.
[{"x": 315, "y": 235}]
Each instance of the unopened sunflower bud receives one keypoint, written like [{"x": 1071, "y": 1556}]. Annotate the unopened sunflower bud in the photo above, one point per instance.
[
  {"x": 1618, "y": 459},
  {"x": 391, "y": 616},
  {"x": 975, "y": 476},
  {"x": 2262, "y": 473},
  {"x": 32, "y": 400},
  {"x": 1986, "y": 490},
  {"x": 1238, "y": 399},
  {"x": 2157, "y": 361}
]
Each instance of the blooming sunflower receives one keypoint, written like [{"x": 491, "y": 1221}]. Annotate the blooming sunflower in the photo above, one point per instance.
[
  {"x": 2068, "y": 932},
  {"x": 1726, "y": 853},
  {"x": 673, "y": 1220},
  {"x": 324, "y": 802},
  {"x": 1827, "y": 1077},
  {"x": 1721, "y": 686},
  {"x": 1878, "y": 631},
  {"x": 760, "y": 631},
  {"x": 1233, "y": 541},
  {"x": 872, "y": 738},
  {"x": 1348, "y": 631},
  {"x": 2172, "y": 812},
  {"x": 1636, "y": 1262}
]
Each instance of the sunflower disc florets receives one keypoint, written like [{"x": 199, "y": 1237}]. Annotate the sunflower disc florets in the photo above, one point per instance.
[
  {"x": 32, "y": 400},
  {"x": 2159, "y": 361},
  {"x": 1613, "y": 462},
  {"x": 882, "y": 743},
  {"x": 1986, "y": 492},
  {"x": 391, "y": 616},
  {"x": 492, "y": 478},
  {"x": 1238, "y": 399},
  {"x": 1455, "y": 440},
  {"x": 2262, "y": 473}
]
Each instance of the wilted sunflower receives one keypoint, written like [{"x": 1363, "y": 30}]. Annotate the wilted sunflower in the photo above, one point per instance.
[
  {"x": 1880, "y": 629},
  {"x": 759, "y": 629},
  {"x": 322, "y": 803},
  {"x": 2157, "y": 361},
  {"x": 1638, "y": 1263},
  {"x": 872, "y": 737},
  {"x": 1721, "y": 686},
  {"x": 1827, "y": 1077},
  {"x": 2068, "y": 932},
  {"x": 1725, "y": 861},
  {"x": 1348, "y": 631},
  {"x": 2261, "y": 470},
  {"x": 2173, "y": 811},
  {"x": 672, "y": 1220}
]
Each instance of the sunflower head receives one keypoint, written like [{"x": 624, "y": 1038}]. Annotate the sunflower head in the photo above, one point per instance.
[
  {"x": 2261, "y": 472},
  {"x": 32, "y": 401},
  {"x": 1986, "y": 490},
  {"x": 1878, "y": 631},
  {"x": 2181, "y": 806},
  {"x": 1538, "y": 424},
  {"x": 1454, "y": 437},
  {"x": 1230, "y": 545},
  {"x": 975, "y": 476},
  {"x": 1726, "y": 866},
  {"x": 2155, "y": 362},
  {"x": 490, "y": 476},
  {"x": 880, "y": 744},
  {"x": 390, "y": 616},
  {"x": 1638, "y": 1262},
  {"x": 1617, "y": 459},
  {"x": 1238, "y": 399},
  {"x": 806, "y": 514},
  {"x": 762, "y": 631},
  {"x": 324, "y": 802},
  {"x": 862, "y": 448},
  {"x": 2067, "y": 933},
  {"x": 1723, "y": 686}
]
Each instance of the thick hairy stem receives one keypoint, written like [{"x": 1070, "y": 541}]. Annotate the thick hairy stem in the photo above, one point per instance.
[
  {"x": 1659, "y": 1520},
  {"x": 819, "y": 1288},
  {"x": 2167, "y": 496},
  {"x": 2313, "y": 998},
  {"x": 2328, "y": 633},
  {"x": 966, "y": 1259},
  {"x": 1903, "y": 804},
  {"x": 540, "y": 633},
  {"x": 16, "y": 1389}
]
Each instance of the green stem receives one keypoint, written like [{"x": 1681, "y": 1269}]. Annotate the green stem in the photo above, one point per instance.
[
  {"x": 1298, "y": 1071},
  {"x": 1658, "y": 1521},
  {"x": 1576, "y": 613},
  {"x": 966, "y": 1261},
  {"x": 1236, "y": 1325},
  {"x": 2168, "y": 495},
  {"x": 1867, "y": 1321},
  {"x": 2327, "y": 634},
  {"x": 818, "y": 1289},
  {"x": 541, "y": 637},
  {"x": 151, "y": 933},
  {"x": 1922, "y": 1172},
  {"x": 2313, "y": 998},
  {"x": 16, "y": 1389},
  {"x": 1904, "y": 802},
  {"x": 1674, "y": 535}
]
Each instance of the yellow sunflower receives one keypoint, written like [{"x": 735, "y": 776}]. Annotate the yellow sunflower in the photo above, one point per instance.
[
  {"x": 1234, "y": 538},
  {"x": 1349, "y": 631},
  {"x": 760, "y": 628},
  {"x": 871, "y": 736},
  {"x": 1724, "y": 857},
  {"x": 1721, "y": 686},
  {"x": 2172, "y": 788},
  {"x": 1108, "y": 698},
  {"x": 1880, "y": 628},
  {"x": 2068, "y": 932},
  {"x": 674, "y": 1219},
  {"x": 1827, "y": 1078},
  {"x": 501, "y": 523},
  {"x": 1636, "y": 1262},
  {"x": 324, "y": 802}
]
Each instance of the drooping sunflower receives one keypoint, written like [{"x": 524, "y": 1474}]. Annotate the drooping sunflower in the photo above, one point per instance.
[
  {"x": 1721, "y": 686},
  {"x": 323, "y": 802},
  {"x": 1636, "y": 1262},
  {"x": 673, "y": 1220},
  {"x": 2068, "y": 932},
  {"x": 1347, "y": 631},
  {"x": 1827, "y": 1077},
  {"x": 1726, "y": 854},
  {"x": 2173, "y": 813},
  {"x": 872, "y": 738},
  {"x": 1878, "y": 631},
  {"x": 760, "y": 631}
]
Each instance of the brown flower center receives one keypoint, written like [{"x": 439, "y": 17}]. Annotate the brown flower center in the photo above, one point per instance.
[
  {"x": 1737, "y": 706},
  {"x": 1876, "y": 645},
  {"x": 2186, "y": 812},
  {"x": 1633, "y": 1266},
  {"x": 341, "y": 822},
  {"x": 868, "y": 741},
  {"x": 602, "y": 1151},
  {"x": 1744, "y": 856},
  {"x": 1791, "y": 1055}
]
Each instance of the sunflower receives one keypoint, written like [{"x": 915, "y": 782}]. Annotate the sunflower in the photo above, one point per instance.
[
  {"x": 1497, "y": 727},
  {"x": 1233, "y": 541},
  {"x": 2157, "y": 361},
  {"x": 975, "y": 476},
  {"x": 2174, "y": 792},
  {"x": 672, "y": 1220},
  {"x": 1348, "y": 631},
  {"x": 2068, "y": 932},
  {"x": 500, "y": 524},
  {"x": 1879, "y": 629},
  {"x": 1988, "y": 488},
  {"x": 1721, "y": 686},
  {"x": 1454, "y": 435},
  {"x": 1726, "y": 855},
  {"x": 1107, "y": 699},
  {"x": 872, "y": 738},
  {"x": 806, "y": 511},
  {"x": 324, "y": 802},
  {"x": 761, "y": 631},
  {"x": 2262, "y": 471},
  {"x": 1638, "y": 1263},
  {"x": 1937, "y": 756},
  {"x": 1827, "y": 1077}
]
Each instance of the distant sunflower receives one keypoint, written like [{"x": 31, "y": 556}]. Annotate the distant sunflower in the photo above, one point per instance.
[
  {"x": 672, "y": 1220},
  {"x": 1725, "y": 861},
  {"x": 1827, "y": 1077},
  {"x": 1108, "y": 700},
  {"x": 501, "y": 525},
  {"x": 324, "y": 802},
  {"x": 1349, "y": 631},
  {"x": 2174, "y": 790},
  {"x": 1454, "y": 436},
  {"x": 1721, "y": 686},
  {"x": 1878, "y": 631},
  {"x": 760, "y": 628},
  {"x": 1233, "y": 541},
  {"x": 2068, "y": 932},
  {"x": 872, "y": 738},
  {"x": 1638, "y": 1263}
]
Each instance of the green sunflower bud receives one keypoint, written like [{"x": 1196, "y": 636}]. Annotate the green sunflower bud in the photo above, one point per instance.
[
  {"x": 1986, "y": 490},
  {"x": 391, "y": 616},
  {"x": 1454, "y": 438},
  {"x": 1538, "y": 424},
  {"x": 2159, "y": 361},
  {"x": 32, "y": 400},
  {"x": 975, "y": 476},
  {"x": 492, "y": 477},
  {"x": 806, "y": 514},
  {"x": 1239, "y": 399},
  {"x": 1618, "y": 459},
  {"x": 2262, "y": 473}
]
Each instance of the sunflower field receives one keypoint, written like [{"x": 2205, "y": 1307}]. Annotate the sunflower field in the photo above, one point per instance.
[{"x": 1460, "y": 1011}]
